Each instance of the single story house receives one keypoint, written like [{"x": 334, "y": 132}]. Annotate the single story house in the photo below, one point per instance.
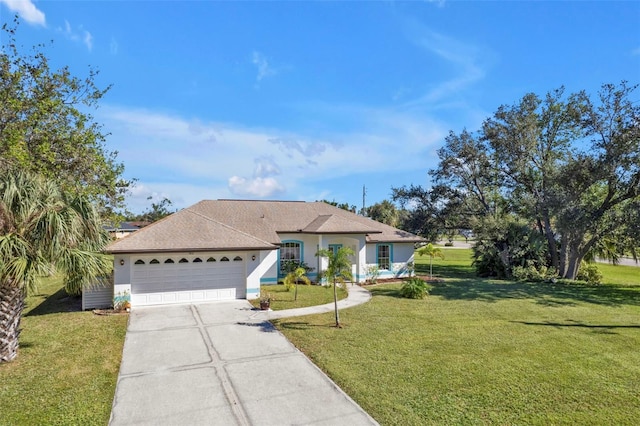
[{"x": 225, "y": 249}]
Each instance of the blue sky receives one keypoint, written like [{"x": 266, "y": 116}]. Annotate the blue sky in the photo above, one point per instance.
[{"x": 313, "y": 100}]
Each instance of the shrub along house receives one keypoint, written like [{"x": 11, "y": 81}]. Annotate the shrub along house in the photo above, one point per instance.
[{"x": 224, "y": 249}]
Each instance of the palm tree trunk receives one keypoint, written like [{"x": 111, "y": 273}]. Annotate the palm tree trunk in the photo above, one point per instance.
[
  {"x": 335, "y": 303},
  {"x": 431, "y": 267},
  {"x": 11, "y": 305}
]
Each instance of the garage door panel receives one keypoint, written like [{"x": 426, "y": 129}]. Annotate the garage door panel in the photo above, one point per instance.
[
  {"x": 185, "y": 282},
  {"x": 183, "y": 297}
]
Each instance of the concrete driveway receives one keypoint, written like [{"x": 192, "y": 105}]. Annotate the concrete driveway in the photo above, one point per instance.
[{"x": 221, "y": 363}]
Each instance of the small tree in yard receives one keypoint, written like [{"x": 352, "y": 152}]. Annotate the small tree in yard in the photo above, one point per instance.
[
  {"x": 338, "y": 271},
  {"x": 293, "y": 278},
  {"x": 43, "y": 230},
  {"x": 431, "y": 251}
]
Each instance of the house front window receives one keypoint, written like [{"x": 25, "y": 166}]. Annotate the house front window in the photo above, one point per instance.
[
  {"x": 290, "y": 252},
  {"x": 384, "y": 257}
]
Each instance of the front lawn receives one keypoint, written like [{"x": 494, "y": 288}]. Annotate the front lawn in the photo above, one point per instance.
[
  {"x": 67, "y": 364},
  {"x": 482, "y": 351},
  {"x": 308, "y": 295}
]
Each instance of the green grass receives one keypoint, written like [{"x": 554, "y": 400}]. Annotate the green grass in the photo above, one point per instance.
[
  {"x": 619, "y": 274},
  {"x": 308, "y": 295},
  {"x": 67, "y": 364},
  {"x": 482, "y": 351}
]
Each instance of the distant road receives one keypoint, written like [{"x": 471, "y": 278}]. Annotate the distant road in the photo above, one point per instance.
[
  {"x": 456, "y": 244},
  {"x": 627, "y": 261}
]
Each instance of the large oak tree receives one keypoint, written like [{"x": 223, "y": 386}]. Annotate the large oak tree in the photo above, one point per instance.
[{"x": 567, "y": 165}]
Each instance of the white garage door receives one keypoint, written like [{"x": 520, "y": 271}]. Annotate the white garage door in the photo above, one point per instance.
[{"x": 180, "y": 279}]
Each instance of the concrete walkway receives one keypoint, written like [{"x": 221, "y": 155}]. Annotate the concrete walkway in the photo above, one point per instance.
[
  {"x": 223, "y": 363},
  {"x": 357, "y": 296}
]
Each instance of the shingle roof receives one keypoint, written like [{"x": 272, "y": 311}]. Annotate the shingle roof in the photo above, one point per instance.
[
  {"x": 333, "y": 224},
  {"x": 241, "y": 224}
]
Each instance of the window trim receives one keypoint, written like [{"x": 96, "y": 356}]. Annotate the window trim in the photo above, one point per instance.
[
  {"x": 301, "y": 247},
  {"x": 390, "y": 254},
  {"x": 335, "y": 247}
]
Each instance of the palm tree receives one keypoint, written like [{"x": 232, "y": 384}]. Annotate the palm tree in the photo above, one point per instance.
[
  {"x": 294, "y": 277},
  {"x": 431, "y": 251},
  {"x": 43, "y": 230},
  {"x": 338, "y": 271}
]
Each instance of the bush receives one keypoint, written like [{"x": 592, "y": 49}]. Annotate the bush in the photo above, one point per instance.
[
  {"x": 590, "y": 273},
  {"x": 372, "y": 273},
  {"x": 504, "y": 244},
  {"x": 533, "y": 274},
  {"x": 415, "y": 288}
]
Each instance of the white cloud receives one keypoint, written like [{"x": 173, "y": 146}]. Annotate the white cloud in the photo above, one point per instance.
[
  {"x": 113, "y": 46},
  {"x": 262, "y": 65},
  {"x": 307, "y": 149},
  {"x": 79, "y": 35},
  {"x": 256, "y": 187},
  {"x": 191, "y": 156},
  {"x": 181, "y": 194},
  {"x": 265, "y": 167},
  {"x": 635, "y": 52},
  {"x": 27, "y": 10},
  {"x": 468, "y": 61},
  {"x": 263, "y": 184},
  {"x": 88, "y": 40}
]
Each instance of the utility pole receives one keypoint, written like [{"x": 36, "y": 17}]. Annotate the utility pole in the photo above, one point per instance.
[{"x": 364, "y": 195}]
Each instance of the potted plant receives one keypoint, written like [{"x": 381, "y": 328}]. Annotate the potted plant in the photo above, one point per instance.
[{"x": 265, "y": 302}]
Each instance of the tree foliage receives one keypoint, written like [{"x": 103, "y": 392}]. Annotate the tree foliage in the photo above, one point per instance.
[
  {"x": 43, "y": 230},
  {"x": 384, "y": 212},
  {"x": 294, "y": 277},
  {"x": 338, "y": 271},
  {"x": 343, "y": 206},
  {"x": 422, "y": 216},
  {"x": 567, "y": 166},
  {"x": 45, "y": 126},
  {"x": 432, "y": 251},
  {"x": 154, "y": 213}
]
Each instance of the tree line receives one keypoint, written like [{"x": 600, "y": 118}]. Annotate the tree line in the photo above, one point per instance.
[{"x": 545, "y": 183}]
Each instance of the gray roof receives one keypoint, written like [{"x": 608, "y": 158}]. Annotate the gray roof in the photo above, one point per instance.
[
  {"x": 122, "y": 227},
  {"x": 251, "y": 225}
]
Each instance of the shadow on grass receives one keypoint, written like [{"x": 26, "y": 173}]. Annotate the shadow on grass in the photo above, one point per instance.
[
  {"x": 56, "y": 303},
  {"x": 385, "y": 291},
  {"x": 550, "y": 294},
  {"x": 300, "y": 325},
  {"x": 577, "y": 324}
]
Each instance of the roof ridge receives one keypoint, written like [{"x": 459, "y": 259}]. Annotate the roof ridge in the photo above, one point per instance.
[
  {"x": 259, "y": 201},
  {"x": 188, "y": 209}
]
